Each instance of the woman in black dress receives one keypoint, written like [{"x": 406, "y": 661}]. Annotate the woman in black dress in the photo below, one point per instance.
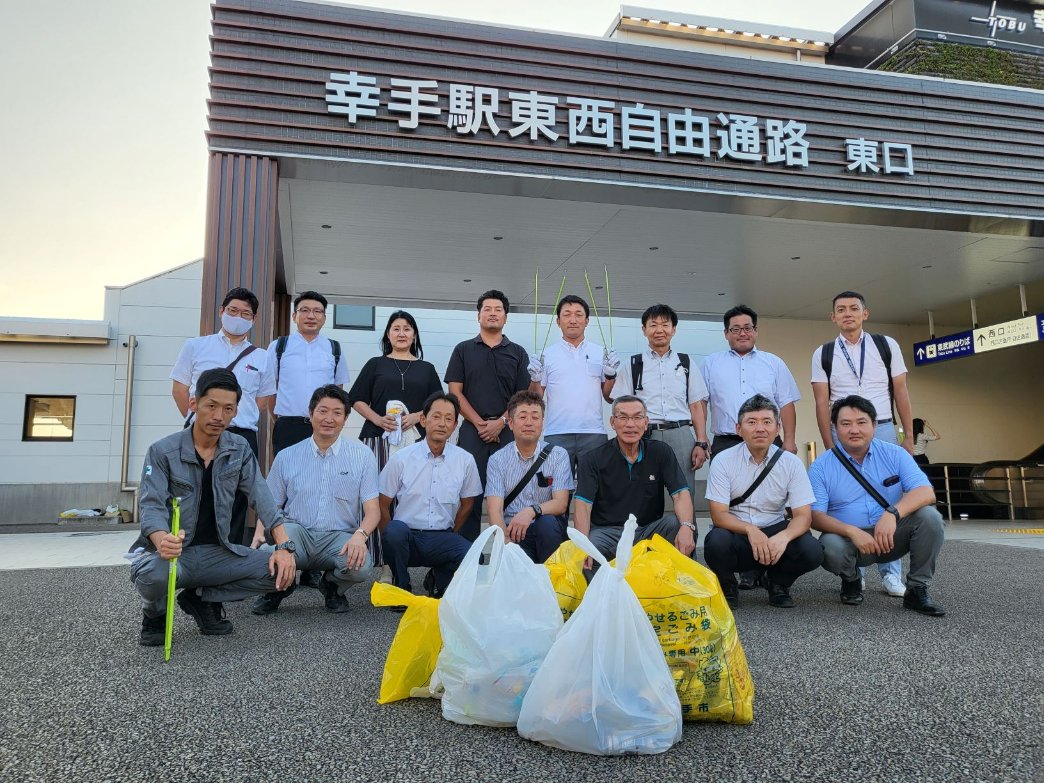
[{"x": 400, "y": 373}]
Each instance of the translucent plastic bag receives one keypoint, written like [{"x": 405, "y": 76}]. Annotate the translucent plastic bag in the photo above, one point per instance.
[
  {"x": 498, "y": 621},
  {"x": 411, "y": 657},
  {"x": 697, "y": 632},
  {"x": 604, "y": 687},
  {"x": 566, "y": 568}
]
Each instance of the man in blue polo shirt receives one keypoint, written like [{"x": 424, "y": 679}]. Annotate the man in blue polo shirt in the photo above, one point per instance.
[
  {"x": 857, "y": 529},
  {"x": 628, "y": 475}
]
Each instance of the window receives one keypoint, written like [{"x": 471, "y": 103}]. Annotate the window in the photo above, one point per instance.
[
  {"x": 49, "y": 418},
  {"x": 353, "y": 317}
]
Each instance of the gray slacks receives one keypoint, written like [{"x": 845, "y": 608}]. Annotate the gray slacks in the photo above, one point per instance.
[
  {"x": 682, "y": 441},
  {"x": 920, "y": 534},
  {"x": 606, "y": 537},
  {"x": 577, "y": 444},
  {"x": 320, "y": 550}
]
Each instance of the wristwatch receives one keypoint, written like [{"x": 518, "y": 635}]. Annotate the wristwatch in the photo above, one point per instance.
[
  {"x": 537, "y": 511},
  {"x": 703, "y": 444},
  {"x": 894, "y": 511},
  {"x": 689, "y": 525},
  {"x": 286, "y": 546}
]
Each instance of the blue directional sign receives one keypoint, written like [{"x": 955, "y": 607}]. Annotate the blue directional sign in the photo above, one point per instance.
[
  {"x": 940, "y": 349},
  {"x": 1021, "y": 331}
]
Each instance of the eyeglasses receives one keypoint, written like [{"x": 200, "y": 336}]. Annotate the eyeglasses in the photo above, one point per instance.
[
  {"x": 309, "y": 311},
  {"x": 235, "y": 312},
  {"x": 742, "y": 329},
  {"x": 637, "y": 419}
]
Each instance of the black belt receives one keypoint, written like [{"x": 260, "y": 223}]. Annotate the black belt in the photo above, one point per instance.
[
  {"x": 736, "y": 438},
  {"x": 304, "y": 419},
  {"x": 670, "y": 425},
  {"x": 884, "y": 421}
]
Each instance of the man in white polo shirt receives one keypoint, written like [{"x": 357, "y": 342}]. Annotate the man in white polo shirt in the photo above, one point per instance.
[
  {"x": 870, "y": 366},
  {"x": 576, "y": 375},
  {"x": 230, "y": 349},
  {"x": 300, "y": 364},
  {"x": 327, "y": 487}
]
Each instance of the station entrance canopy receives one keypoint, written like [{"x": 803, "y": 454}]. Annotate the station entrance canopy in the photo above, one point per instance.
[{"x": 392, "y": 159}]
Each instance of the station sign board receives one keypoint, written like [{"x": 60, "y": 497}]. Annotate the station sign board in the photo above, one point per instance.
[{"x": 1021, "y": 331}]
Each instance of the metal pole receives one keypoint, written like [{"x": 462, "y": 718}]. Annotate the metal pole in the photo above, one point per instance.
[
  {"x": 1025, "y": 494},
  {"x": 975, "y": 315},
  {"x": 1022, "y": 300},
  {"x": 1011, "y": 500},
  {"x": 949, "y": 500},
  {"x": 931, "y": 324},
  {"x": 811, "y": 447},
  {"x": 132, "y": 344}
]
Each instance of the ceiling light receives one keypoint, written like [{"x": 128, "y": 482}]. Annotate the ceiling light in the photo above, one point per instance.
[
  {"x": 655, "y": 247},
  {"x": 713, "y": 29},
  {"x": 497, "y": 239},
  {"x": 721, "y": 293},
  {"x": 820, "y": 43},
  {"x": 325, "y": 225},
  {"x": 323, "y": 272},
  {"x": 730, "y": 32},
  {"x": 795, "y": 258},
  {"x": 784, "y": 38},
  {"x": 467, "y": 279},
  {"x": 926, "y": 266}
]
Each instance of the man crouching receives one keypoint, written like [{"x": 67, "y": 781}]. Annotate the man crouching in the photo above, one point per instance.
[{"x": 203, "y": 466}]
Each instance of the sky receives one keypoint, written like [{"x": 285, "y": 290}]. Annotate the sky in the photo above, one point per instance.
[{"x": 104, "y": 177}]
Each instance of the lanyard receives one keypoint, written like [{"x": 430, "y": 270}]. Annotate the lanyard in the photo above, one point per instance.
[{"x": 862, "y": 358}]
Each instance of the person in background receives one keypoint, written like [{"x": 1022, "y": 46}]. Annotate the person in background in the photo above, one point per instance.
[{"x": 923, "y": 434}]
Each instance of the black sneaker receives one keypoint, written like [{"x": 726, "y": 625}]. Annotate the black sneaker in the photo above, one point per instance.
[
  {"x": 429, "y": 585},
  {"x": 779, "y": 596},
  {"x": 269, "y": 602},
  {"x": 335, "y": 602},
  {"x": 313, "y": 579},
  {"x": 852, "y": 591},
  {"x": 153, "y": 630},
  {"x": 917, "y": 599},
  {"x": 209, "y": 616},
  {"x": 749, "y": 580},
  {"x": 731, "y": 593}
]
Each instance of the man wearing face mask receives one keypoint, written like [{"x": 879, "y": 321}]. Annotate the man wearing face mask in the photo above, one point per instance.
[{"x": 230, "y": 349}]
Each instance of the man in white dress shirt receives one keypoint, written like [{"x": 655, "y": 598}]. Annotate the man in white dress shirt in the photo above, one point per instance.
[
  {"x": 300, "y": 364},
  {"x": 434, "y": 483},
  {"x": 751, "y": 527},
  {"x": 328, "y": 489},
  {"x": 672, "y": 390},
  {"x": 869, "y": 366}
]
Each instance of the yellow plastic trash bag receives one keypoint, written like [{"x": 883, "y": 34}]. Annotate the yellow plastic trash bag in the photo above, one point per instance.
[
  {"x": 566, "y": 568},
  {"x": 697, "y": 632},
  {"x": 415, "y": 648}
]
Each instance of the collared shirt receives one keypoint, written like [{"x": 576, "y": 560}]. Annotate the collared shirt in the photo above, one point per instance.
[
  {"x": 842, "y": 497},
  {"x": 664, "y": 390},
  {"x": 733, "y": 379},
  {"x": 429, "y": 488},
  {"x": 217, "y": 351},
  {"x": 734, "y": 470},
  {"x": 489, "y": 375},
  {"x": 507, "y": 467},
  {"x": 845, "y": 381},
  {"x": 615, "y": 487},
  {"x": 324, "y": 491},
  {"x": 304, "y": 368},
  {"x": 572, "y": 382}
]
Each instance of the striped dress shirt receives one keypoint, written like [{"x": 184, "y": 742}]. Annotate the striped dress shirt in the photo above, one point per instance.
[
  {"x": 507, "y": 467},
  {"x": 324, "y": 491}
]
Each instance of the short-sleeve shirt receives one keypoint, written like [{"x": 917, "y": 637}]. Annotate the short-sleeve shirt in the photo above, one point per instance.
[
  {"x": 842, "y": 497},
  {"x": 507, "y": 467},
  {"x": 428, "y": 489},
  {"x": 214, "y": 351},
  {"x": 324, "y": 491},
  {"x": 304, "y": 368},
  {"x": 734, "y": 470},
  {"x": 615, "y": 487},
  {"x": 845, "y": 380},
  {"x": 490, "y": 375},
  {"x": 383, "y": 379},
  {"x": 572, "y": 382},
  {"x": 664, "y": 390},
  {"x": 732, "y": 379}
]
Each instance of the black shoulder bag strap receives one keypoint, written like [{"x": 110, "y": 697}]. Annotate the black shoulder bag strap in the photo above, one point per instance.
[
  {"x": 843, "y": 459},
  {"x": 885, "y": 350},
  {"x": 826, "y": 361},
  {"x": 514, "y": 493},
  {"x": 335, "y": 349},
  {"x": 757, "y": 482},
  {"x": 683, "y": 360},
  {"x": 249, "y": 349},
  {"x": 636, "y": 372}
]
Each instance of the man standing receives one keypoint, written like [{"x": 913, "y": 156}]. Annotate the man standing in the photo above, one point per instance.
[
  {"x": 749, "y": 489},
  {"x": 527, "y": 493},
  {"x": 300, "y": 364},
  {"x": 873, "y": 504},
  {"x": 204, "y": 466},
  {"x": 483, "y": 373},
  {"x": 736, "y": 375},
  {"x": 577, "y": 375},
  {"x": 872, "y": 368},
  {"x": 672, "y": 390},
  {"x": 228, "y": 348},
  {"x": 330, "y": 487},
  {"x": 434, "y": 484},
  {"x": 627, "y": 475}
]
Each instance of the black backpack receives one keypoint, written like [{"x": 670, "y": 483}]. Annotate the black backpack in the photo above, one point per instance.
[
  {"x": 637, "y": 366},
  {"x": 826, "y": 359},
  {"x": 335, "y": 348}
]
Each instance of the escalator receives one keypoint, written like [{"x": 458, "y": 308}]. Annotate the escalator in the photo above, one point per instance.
[{"x": 998, "y": 489}]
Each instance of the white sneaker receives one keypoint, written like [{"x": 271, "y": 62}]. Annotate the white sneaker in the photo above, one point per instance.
[
  {"x": 385, "y": 575},
  {"x": 893, "y": 586}
]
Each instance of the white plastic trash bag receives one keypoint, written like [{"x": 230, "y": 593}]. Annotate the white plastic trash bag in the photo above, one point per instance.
[
  {"x": 604, "y": 688},
  {"x": 498, "y": 621}
]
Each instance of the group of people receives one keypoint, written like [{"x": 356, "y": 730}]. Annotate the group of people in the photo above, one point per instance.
[{"x": 532, "y": 443}]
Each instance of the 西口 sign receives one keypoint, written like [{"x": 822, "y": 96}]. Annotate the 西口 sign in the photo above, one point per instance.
[{"x": 1021, "y": 331}]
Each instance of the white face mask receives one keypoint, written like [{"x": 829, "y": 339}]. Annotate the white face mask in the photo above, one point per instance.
[{"x": 235, "y": 325}]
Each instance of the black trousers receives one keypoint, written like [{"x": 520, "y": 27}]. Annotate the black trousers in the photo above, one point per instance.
[
  {"x": 238, "y": 532},
  {"x": 469, "y": 440},
  {"x": 289, "y": 430},
  {"x": 727, "y": 552}
]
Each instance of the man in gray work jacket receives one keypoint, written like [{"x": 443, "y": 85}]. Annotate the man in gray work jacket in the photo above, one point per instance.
[{"x": 204, "y": 466}]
